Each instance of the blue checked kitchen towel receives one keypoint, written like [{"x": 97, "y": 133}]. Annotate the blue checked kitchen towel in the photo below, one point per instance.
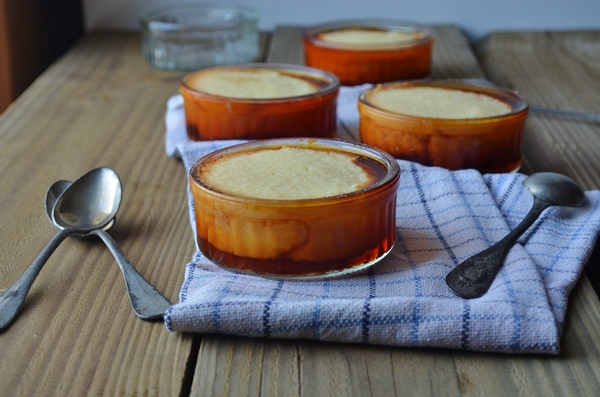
[{"x": 443, "y": 217}]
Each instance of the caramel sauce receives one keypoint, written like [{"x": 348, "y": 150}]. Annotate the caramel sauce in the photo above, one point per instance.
[
  {"x": 373, "y": 168},
  {"x": 287, "y": 267},
  {"x": 319, "y": 83}
]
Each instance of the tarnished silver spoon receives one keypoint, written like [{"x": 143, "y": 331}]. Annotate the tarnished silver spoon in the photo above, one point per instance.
[
  {"x": 473, "y": 277},
  {"x": 146, "y": 301},
  {"x": 95, "y": 199},
  {"x": 53, "y": 193}
]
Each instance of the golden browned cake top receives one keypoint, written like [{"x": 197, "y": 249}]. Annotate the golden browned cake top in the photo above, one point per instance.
[
  {"x": 251, "y": 83},
  {"x": 437, "y": 102},
  {"x": 286, "y": 173},
  {"x": 365, "y": 37}
]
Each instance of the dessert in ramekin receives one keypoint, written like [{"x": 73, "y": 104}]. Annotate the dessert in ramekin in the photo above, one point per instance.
[
  {"x": 295, "y": 208},
  {"x": 370, "y": 50},
  {"x": 260, "y": 101},
  {"x": 455, "y": 124}
]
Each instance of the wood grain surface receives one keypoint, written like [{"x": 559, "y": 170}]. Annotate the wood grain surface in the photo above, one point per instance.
[
  {"x": 556, "y": 70},
  {"x": 103, "y": 105},
  {"x": 100, "y": 105},
  {"x": 559, "y": 70}
]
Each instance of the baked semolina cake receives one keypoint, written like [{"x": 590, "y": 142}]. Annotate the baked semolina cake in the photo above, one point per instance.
[
  {"x": 251, "y": 83},
  {"x": 437, "y": 102},
  {"x": 287, "y": 173}
]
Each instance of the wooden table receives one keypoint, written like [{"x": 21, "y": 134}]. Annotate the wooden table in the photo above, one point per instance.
[{"x": 102, "y": 104}]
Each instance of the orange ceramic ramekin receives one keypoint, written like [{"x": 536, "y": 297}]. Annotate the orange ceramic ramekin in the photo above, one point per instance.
[
  {"x": 488, "y": 144},
  {"x": 373, "y": 62},
  {"x": 213, "y": 117},
  {"x": 298, "y": 238}
]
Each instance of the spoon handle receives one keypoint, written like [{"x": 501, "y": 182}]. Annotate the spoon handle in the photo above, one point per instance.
[
  {"x": 472, "y": 278},
  {"x": 13, "y": 298},
  {"x": 146, "y": 301}
]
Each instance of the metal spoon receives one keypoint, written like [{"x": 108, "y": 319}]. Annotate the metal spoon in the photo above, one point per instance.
[
  {"x": 473, "y": 277},
  {"x": 146, "y": 301},
  {"x": 98, "y": 187},
  {"x": 53, "y": 193}
]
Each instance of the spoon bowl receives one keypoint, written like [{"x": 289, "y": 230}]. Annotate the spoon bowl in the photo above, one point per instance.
[
  {"x": 52, "y": 195},
  {"x": 91, "y": 202},
  {"x": 554, "y": 189},
  {"x": 473, "y": 277}
]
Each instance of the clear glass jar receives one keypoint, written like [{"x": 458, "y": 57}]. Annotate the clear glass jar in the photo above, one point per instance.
[{"x": 189, "y": 37}]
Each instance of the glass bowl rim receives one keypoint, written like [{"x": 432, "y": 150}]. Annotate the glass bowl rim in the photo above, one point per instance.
[{"x": 148, "y": 19}]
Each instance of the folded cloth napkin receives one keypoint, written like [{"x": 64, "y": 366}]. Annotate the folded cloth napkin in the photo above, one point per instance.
[{"x": 443, "y": 217}]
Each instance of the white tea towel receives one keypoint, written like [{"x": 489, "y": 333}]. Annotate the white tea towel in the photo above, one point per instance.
[{"x": 443, "y": 217}]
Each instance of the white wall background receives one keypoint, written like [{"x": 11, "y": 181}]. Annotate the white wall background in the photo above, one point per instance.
[{"x": 476, "y": 17}]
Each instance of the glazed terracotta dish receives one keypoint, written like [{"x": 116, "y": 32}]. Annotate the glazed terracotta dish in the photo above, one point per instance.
[
  {"x": 260, "y": 101},
  {"x": 370, "y": 50},
  {"x": 295, "y": 208},
  {"x": 447, "y": 123}
]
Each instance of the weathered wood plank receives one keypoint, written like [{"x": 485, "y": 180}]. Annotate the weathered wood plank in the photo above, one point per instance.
[
  {"x": 100, "y": 105},
  {"x": 556, "y": 70}
]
